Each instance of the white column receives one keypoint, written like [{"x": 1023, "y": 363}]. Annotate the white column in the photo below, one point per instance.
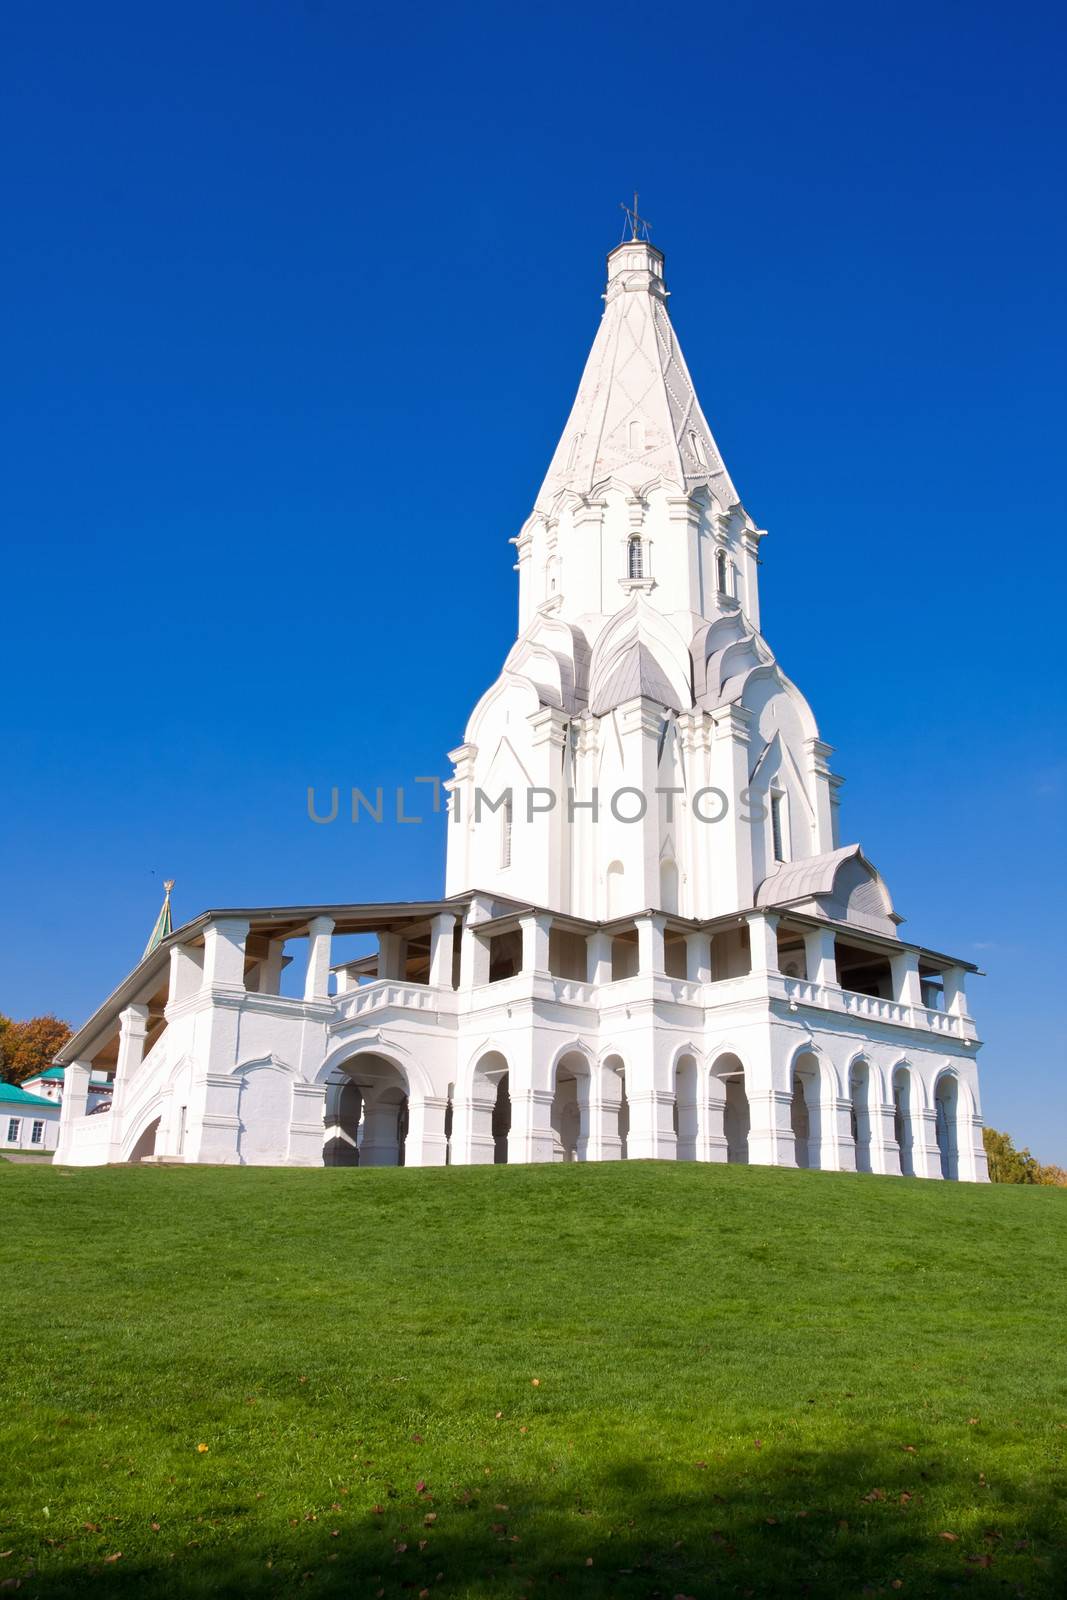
[
  {"x": 603, "y": 1089},
  {"x": 763, "y": 941},
  {"x": 925, "y": 1155},
  {"x": 186, "y": 973},
  {"x": 270, "y": 974},
  {"x": 473, "y": 959},
  {"x": 307, "y": 1126},
  {"x": 379, "y": 1145},
  {"x": 598, "y": 949},
  {"x": 711, "y": 1112},
  {"x": 820, "y": 955},
  {"x": 535, "y": 933},
  {"x": 652, "y": 1136},
  {"x": 885, "y": 1152},
  {"x": 698, "y": 957},
  {"x": 770, "y": 1138},
  {"x": 473, "y": 1144},
  {"x": 532, "y": 1137},
  {"x": 955, "y": 980},
  {"x": 442, "y": 940},
  {"x": 75, "y": 1091},
  {"x": 650, "y": 959},
  {"x": 837, "y": 1148},
  {"x": 133, "y": 1026},
  {"x": 390, "y": 955},
  {"x": 317, "y": 976},
  {"x": 224, "y": 954},
  {"x": 907, "y": 989},
  {"x": 426, "y": 1145}
]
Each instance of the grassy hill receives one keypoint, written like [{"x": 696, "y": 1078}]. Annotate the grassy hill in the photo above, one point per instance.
[{"x": 628, "y": 1380}]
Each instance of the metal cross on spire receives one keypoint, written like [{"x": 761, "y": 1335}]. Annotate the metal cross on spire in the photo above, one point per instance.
[{"x": 640, "y": 227}]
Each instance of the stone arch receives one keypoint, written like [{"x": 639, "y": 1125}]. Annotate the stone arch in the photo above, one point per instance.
[
  {"x": 951, "y": 1121},
  {"x": 864, "y": 1098},
  {"x": 143, "y": 1145},
  {"x": 382, "y": 1081},
  {"x": 481, "y": 1109},
  {"x": 571, "y": 1080},
  {"x": 813, "y": 1085},
  {"x": 612, "y": 1128},
  {"x": 343, "y": 1113},
  {"x": 729, "y": 1114},
  {"x": 686, "y": 1079},
  {"x": 907, "y": 1110},
  {"x": 362, "y": 1041}
]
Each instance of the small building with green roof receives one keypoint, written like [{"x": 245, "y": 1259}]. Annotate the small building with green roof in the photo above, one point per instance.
[{"x": 28, "y": 1121}]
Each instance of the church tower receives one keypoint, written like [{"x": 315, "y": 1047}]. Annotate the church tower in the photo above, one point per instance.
[{"x": 641, "y": 747}]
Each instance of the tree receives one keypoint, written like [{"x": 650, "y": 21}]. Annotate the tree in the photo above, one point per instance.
[
  {"x": 1008, "y": 1165},
  {"x": 28, "y": 1048}
]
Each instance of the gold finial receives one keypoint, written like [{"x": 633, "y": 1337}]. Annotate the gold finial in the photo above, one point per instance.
[
  {"x": 168, "y": 884},
  {"x": 640, "y": 227}
]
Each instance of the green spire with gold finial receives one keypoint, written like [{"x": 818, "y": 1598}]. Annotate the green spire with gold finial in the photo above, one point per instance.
[{"x": 163, "y": 926}]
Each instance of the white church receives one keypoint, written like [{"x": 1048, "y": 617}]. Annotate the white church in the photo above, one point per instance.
[{"x": 653, "y": 943}]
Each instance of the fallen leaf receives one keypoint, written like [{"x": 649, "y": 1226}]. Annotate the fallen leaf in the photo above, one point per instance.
[
  {"x": 416, "y": 1438},
  {"x": 875, "y": 1494},
  {"x": 400, "y": 1548},
  {"x": 201, "y": 1449},
  {"x": 910, "y": 1449},
  {"x": 758, "y": 1443},
  {"x": 951, "y": 1537},
  {"x": 335, "y": 1533},
  {"x": 116, "y": 1557},
  {"x": 972, "y": 1422},
  {"x": 154, "y": 1526},
  {"x": 429, "y": 1519},
  {"x": 420, "y": 1487},
  {"x": 535, "y": 1383},
  {"x": 589, "y": 1561}
]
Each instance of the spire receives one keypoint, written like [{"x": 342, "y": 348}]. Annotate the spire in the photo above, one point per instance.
[
  {"x": 163, "y": 925},
  {"x": 636, "y": 416}
]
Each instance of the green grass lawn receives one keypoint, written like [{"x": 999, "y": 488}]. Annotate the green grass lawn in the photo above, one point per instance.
[{"x": 748, "y": 1382}]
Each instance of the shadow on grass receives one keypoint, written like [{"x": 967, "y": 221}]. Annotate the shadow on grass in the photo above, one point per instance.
[{"x": 818, "y": 1525}]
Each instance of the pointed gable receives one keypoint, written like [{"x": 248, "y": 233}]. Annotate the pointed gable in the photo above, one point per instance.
[{"x": 636, "y": 416}]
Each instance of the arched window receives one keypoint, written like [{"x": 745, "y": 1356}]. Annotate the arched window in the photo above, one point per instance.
[
  {"x": 696, "y": 445},
  {"x": 635, "y": 558},
  {"x": 720, "y": 571},
  {"x": 778, "y": 826}
]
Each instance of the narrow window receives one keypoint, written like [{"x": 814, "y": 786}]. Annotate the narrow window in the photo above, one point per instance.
[
  {"x": 636, "y": 559},
  {"x": 13, "y": 1130},
  {"x": 776, "y": 827},
  {"x": 572, "y": 458},
  {"x": 696, "y": 445},
  {"x": 505, "y": 832},
  {"x": 181, "y": 1129},
  {"x": 37, "y": 1133},
  {"x": 720, "y": 571},
  {"x": 637, "y": 436}
]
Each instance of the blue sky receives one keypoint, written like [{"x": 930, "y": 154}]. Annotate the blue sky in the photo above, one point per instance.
[{"x": 277, "y": 277}]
